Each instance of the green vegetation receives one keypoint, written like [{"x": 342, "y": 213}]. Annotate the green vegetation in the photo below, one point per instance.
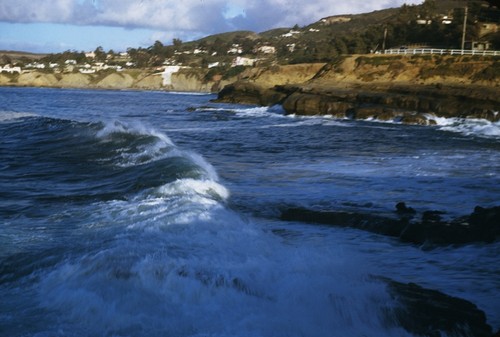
[
  {"x": 323, "y": 41},
  {"x": 234, "y": 71}
]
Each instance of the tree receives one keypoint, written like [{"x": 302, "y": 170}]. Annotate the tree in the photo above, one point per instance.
[
  {"x": 5, "y": 60},
  {"x": 177, "y": 42},
  {"x": 341, "y": 46},
  {"x": 157, "y": 49},
  {"x": 100, "y": 54}
]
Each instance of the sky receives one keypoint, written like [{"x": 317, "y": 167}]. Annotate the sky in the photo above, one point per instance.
[{"x": 52, "y": 26}]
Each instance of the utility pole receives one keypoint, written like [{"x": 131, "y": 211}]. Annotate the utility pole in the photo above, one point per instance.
[
  {"x": 464, "y": 28},
  {"x": 385, "y": 38}
]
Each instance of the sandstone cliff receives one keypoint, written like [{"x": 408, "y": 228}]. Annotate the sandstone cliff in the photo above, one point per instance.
[
  {"x": 182, "y": 79},
  {"x": 401, "y": 88},
  {"x": 130, "y": 79}
]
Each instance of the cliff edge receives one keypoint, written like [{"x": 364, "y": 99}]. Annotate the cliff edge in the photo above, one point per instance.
[{"x": 409, "y": 89}]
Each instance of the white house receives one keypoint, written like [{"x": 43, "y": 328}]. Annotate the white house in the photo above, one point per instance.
[
  {"x": 36, "y": 65},
  {"x": 290, "y": 33},
  {"x": 243, "y": 61},
  {"x": 266, "y": 49},
  {"x": 9, "y": 69},
  {"x": 235, "y": 49},
  {"x": 87, "y": 71}
]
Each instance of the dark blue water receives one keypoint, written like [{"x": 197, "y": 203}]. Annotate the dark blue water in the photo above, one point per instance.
[{"x": 129, "y": 213}]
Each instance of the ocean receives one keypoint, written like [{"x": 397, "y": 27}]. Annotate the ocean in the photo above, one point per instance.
[{"x": 129, "y": 213}]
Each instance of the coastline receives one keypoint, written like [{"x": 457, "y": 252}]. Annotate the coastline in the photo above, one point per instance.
[
  {"x": 407, "y": 89},
  {"x": 413, "y": 90}
]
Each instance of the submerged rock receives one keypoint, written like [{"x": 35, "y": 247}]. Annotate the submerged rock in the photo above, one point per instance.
[
  {"x": 483, "y": 225},
  {"x": 431, "y": 313}
]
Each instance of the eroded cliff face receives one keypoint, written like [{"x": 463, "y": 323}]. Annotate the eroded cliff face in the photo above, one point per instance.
[
  {"x": 114, "y": 80},
  {"x": 400, "y": 88},
  {"x": 403, "y": 88},
  {"x": 179, "y": 79},
  {"x": 414, "y": 70}
]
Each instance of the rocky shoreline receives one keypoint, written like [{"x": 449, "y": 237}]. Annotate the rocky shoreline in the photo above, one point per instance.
[
  {"x": 410, "y": 89},
  {"x": 399, "y": 103},
  {"x": 386, "y": 89}
]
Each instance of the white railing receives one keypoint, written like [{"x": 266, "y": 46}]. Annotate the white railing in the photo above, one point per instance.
[{"x": 441, "y": 52}]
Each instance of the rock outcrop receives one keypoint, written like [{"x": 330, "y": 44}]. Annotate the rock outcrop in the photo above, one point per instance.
[
  {"x": 407, "y": 89},
  {"x": 249, "y": 93},
  {"x": 426, "y": 312},
  {"x": 482, "y": 225},
  {"x": 413, "y": 105},
  {"x": 411, "y": 90}
]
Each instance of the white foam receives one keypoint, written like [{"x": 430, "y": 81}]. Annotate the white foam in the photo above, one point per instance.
[
  {"x": 470, "y": 126},
  {"x": 189, "y": 93},
  {"x": 137, "y": 128},
  {"x": 258, "y": 112},
  {"x": 11, "y": 116},
  {"x": 162, "y": 148},
  {"x": 191, "y": 187},
  {"x": 221, "y": 278}
]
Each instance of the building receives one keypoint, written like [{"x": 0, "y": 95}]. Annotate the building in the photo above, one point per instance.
[
  {"x": 9, "y": 69},
  {"x": 477, "y": 45},
  {"x": 335, "y": 19},
  {"x": 266, "y": 49},
  {"x": 243, "y": 61}
]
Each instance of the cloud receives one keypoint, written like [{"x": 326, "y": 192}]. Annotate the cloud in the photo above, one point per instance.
[{"x": 207, "y": 16}]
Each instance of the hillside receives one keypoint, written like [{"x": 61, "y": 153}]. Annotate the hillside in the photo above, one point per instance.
[
  {"x": 435, "y": 23},
  {"x": 413, "y": 89},
  {"x": 7, "y": 56}
]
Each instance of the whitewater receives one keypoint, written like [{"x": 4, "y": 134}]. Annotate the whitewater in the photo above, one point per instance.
[{"x": 126, "y": 213}]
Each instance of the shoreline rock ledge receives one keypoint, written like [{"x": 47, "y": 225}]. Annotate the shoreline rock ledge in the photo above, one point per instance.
[
  {"x": 413, "y": 89},
  {"x": 399, "y": 103}
]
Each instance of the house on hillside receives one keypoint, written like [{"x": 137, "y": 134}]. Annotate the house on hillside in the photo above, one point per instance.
[
  {"x": 243, "y": 61},
  {"x": 477, "y": 45},
  {"x": 266, "y": 50},
  {"x": 235, "y": 49},
  {"x": 335, "y": 19},
  {"x": 9, "y": 69}
]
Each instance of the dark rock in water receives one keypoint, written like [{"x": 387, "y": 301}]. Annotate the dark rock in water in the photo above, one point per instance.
[
  {"x": 426, "y": 312},
  {"x": 432, "y": 216},
  {"x": 483, "y": 225},
  {"x": 371, "y": 223},
  {"x": 401, "y": 208}
]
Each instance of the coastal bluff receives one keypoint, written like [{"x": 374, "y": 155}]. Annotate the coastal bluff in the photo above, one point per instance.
[
  {"x": 408, "y": 89},
  {"x": 173, "y": 78},
  {"x": 413, "y": 89}
]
